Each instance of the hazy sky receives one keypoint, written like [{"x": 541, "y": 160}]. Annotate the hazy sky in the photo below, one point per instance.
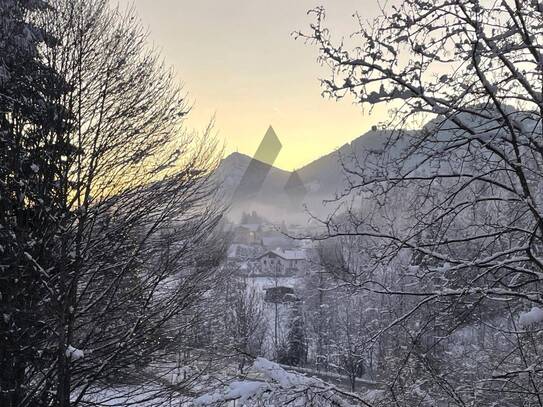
[{"x": 238, "y": 61}]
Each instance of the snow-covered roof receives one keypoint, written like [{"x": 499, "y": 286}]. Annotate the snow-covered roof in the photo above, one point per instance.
[
  {"x": 286, "y": 254},
  {"x": 294, "y": 254}
]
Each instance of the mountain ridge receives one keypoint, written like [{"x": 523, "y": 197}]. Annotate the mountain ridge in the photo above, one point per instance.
[{"x": 323, "y": 177}]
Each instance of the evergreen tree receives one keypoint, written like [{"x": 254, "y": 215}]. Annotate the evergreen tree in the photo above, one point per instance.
[
  {"x": 295, "y": 352},
  {"x": 31, "y": 155}
]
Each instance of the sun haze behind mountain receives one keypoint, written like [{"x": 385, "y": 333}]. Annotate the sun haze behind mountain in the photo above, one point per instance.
[{"x": 240, "y": 63}]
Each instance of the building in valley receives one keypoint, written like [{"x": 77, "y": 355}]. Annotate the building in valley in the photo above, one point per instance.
[{"x": 281, "y": 262}]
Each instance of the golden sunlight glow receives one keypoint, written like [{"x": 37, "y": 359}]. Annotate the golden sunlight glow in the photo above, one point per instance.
[{"x": 240, "y": 64}]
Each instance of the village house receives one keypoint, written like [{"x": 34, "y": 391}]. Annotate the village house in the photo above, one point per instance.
[{"x": 281, "y": 262}]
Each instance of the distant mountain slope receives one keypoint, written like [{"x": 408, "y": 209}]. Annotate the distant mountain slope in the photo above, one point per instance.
[
  {"x": 234, "y": 166},
  {"x": 323, "y": 178},
  {"x": 269, "y": 198},
  {"x": 326, "y": 176}
]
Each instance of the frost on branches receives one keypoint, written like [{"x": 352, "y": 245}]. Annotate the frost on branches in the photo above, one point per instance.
[
  {"x": 278, "y": 387},
  {"x": 448, "y": 232}
]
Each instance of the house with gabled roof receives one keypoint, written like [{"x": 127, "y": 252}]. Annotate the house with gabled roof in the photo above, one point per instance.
[{"x": 280, "y": 262}]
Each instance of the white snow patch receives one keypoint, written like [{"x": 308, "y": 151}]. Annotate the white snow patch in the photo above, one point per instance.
[
  {"x": 531, "y": 317},
  {"x": 278, "y": 374},
  {"x": 74, "y": 354},
  {"x": 280, "y": 387},
  {"x": 241, "y": 391}
]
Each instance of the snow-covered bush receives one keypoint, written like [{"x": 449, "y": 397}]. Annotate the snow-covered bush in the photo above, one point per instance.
[{"x": 278, "y": 387}]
